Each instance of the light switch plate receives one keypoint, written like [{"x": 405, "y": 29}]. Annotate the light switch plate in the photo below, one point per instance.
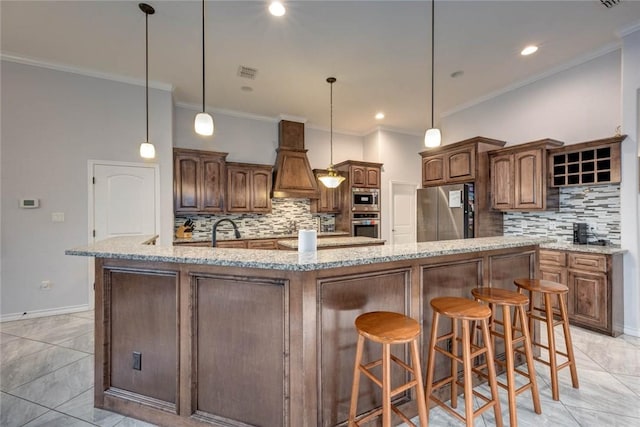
[{"x": 57, "y": 216}]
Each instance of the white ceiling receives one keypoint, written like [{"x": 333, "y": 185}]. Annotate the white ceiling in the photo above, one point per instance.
[{"x": 378, "y": 50}]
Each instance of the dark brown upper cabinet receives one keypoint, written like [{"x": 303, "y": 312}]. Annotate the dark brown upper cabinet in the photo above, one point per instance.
[
  {"x": 519, "y": 177},
  {"x": 248, "y": 187},
  {"x": 361, "y": 174},
  {"x": 330, "y": 198},
  {"x": 198, "y": 181}
]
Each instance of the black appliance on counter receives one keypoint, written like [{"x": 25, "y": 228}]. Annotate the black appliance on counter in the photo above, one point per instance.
[{"x": 580, "y": 230}]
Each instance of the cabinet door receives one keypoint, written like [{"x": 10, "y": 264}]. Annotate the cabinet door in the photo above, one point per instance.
[
  {"x": 212, "y": 188},
  {"x": 358, "y": 176},
  {"x": 260, "y": 190},
  {"x": 330, "y": 198},
  {"x": 558, "y": 275},
  {"x": 588, "y": 298},
  {"x": 529, "y": 180},
  {"x": 373, "y": 177},
  {"x": 186, "y": 177},
  {"x": 461, "y": 165},
  {"x": 433, "y": 170},
  {"x": 238, "y": 189},
  {"x": 502, "y": 181}
]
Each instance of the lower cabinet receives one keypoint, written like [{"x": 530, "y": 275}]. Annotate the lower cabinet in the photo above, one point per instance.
[{"x": 595, "y": 285}]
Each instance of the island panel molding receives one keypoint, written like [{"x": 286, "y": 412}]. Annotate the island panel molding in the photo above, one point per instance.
[{"x": 271, "y": 324}]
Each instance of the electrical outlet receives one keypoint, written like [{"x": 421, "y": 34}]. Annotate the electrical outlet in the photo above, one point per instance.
[
  {"x": 137, "y": 361},
  {"x": 46, "y": 285},
  {"x": 57, "y": 217}
]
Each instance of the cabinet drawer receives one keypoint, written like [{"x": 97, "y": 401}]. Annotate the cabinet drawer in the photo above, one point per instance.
[
  {"x": 588, "y": 262},
  {"x": 262, "y": 244},
  {"x": 556, "y": 258},
  {"x": 236, "y": 244}
]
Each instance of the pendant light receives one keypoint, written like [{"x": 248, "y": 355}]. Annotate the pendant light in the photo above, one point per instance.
[
  {"x": 432, "y": 137},
  {"x": 331, "y": 179},
  {"x": 147, "y": 150},
  {"x": 203, "y": 123}
]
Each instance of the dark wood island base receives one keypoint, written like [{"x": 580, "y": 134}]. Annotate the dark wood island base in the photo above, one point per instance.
[{"x": 236, "y": 345}]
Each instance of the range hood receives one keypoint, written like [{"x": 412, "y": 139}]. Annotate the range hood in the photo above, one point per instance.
[{"x": 292, "y": 173}]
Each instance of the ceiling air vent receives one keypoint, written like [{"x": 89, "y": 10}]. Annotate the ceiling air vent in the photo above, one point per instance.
[
  {"x": 247, "y": 72},
  {"x": 610, "y": 3}
]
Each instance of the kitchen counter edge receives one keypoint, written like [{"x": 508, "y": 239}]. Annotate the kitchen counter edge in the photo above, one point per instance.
[
  {"x": 592, "y": 249},
  {"x": 134, "y": 248}
]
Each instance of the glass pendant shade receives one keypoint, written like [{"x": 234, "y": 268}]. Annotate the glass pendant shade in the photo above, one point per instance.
[
  {"x": 147, "y": 150},
  {"x": 432, "y": 138},
  {"x": 203, "y": 124},
  {"x": 331, "y": 179}
]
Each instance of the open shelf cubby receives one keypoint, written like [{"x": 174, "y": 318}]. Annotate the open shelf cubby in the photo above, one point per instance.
[{"x": 588, "y": 163}]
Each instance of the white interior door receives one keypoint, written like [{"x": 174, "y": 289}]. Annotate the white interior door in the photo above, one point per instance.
[
  {"x": 124, "y": 200},
  {"x": 403, "y": 213}
]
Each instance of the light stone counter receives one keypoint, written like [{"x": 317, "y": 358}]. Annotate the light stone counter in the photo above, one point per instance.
[
  {"x": 253, "y": 236},
  {"x": 335, "y": 242},
  {"x": 134, "y": 248},
  {"x": 592, "y": 249}
]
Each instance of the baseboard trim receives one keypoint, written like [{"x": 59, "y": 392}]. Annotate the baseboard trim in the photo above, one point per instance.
[
  {"x": 635, "y": 332},
  {"x": 44, "y": 313}
]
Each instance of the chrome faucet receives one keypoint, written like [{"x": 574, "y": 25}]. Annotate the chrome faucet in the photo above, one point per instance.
[{"x": 215, "y": 229}]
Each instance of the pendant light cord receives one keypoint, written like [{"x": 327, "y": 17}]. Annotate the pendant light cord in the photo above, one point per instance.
[
  {"x": 432, "y": 55},
  {"x": 331, "y": 122},
  {"x": 146, "y": 67},
  {"x": 203, "y": 50}
]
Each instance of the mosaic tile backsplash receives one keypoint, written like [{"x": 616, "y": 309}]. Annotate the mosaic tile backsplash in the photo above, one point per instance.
[
  {"x": 598, "y": 206},
  {"x": 287, "y": 217}
]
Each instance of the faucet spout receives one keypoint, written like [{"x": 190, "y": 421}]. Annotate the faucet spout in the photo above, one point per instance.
[{"x": 215, "y": 230}]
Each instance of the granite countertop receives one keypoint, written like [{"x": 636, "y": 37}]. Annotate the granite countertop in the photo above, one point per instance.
[
  {"x": 593, "y": 249},
  {"x": 260, "y": 236},
  {"x": 133, "y": 248},
  {"x": 335, "y": 242}
]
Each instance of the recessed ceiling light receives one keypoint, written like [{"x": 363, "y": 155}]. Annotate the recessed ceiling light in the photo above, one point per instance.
[
  {"x": 379, "y": 116},
  {"x": 529, "y": 50},
  {"x": 246, "y": 89},
  {"x": 276, "y": 8}
]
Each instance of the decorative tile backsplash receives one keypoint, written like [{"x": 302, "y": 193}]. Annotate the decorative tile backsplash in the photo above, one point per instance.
[
  {"x": 286, "y": 217},
  {"x": 598, "y": 206}
]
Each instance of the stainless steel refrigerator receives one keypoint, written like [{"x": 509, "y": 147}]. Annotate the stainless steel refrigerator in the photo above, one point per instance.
[{"x": 445, "y": 212}]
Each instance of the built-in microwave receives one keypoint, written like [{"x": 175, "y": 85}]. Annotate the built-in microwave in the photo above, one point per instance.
[{"x": 365, "y": 199}]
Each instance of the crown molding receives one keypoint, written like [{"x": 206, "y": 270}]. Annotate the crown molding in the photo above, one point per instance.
[
  {"x": 628, "y": 30},
  {"x": 82, "y": 71},
  {"x": 225, "y": 112}
]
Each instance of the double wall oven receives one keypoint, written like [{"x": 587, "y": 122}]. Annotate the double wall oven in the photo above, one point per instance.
[{"x": 365, "y": 212}]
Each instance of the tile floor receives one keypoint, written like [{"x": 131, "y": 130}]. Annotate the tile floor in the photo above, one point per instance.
[{"x": 46, "y": 378}]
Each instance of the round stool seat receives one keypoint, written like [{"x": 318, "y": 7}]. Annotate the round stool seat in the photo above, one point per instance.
[
  {"x": 499, "y": 296},
  {"x": 387, "y": 327},
  {"x": 542, "y": 286},
  {"x": 460, "y": 308}
]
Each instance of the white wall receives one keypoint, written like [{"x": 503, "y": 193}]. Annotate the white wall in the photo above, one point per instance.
[
  {"x": 579, "y": 104},
  {"x": 399, "y": 154},
  {"x": 254, "y": 140},
  {"x": 629, "y": 200},
  {"x": 53, "y": 122}
]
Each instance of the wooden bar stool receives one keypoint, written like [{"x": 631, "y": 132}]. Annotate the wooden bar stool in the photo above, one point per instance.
[
  {"x": 464, "y": 311},
  {"x": 387, "y": 328},
  {"x": 546, "y": 314},
  {"x": 505, "y": 299}
]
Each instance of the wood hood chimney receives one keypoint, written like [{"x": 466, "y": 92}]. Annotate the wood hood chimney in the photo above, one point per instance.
[{"x": 292, "y": 175}]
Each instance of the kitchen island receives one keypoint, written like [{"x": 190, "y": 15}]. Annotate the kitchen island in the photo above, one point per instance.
[
  {"x": 333, "y": 243},
  {"x": 189, "y": 336}
]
